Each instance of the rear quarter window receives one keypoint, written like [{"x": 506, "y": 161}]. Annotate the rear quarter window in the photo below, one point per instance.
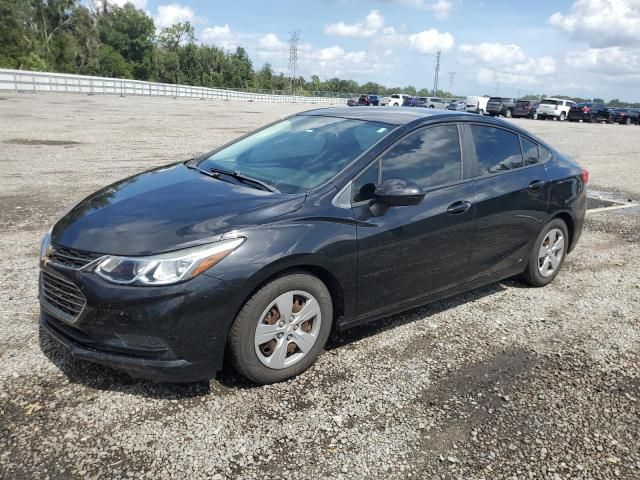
[{"x": 496, "y": 150}]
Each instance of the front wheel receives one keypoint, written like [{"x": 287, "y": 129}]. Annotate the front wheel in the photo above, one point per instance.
[
  {"x": 535, "y": 116},
  {"x": 548, "y": 254},
  {"x": 281, "y": 329},
  {"x": 508, "y": 114}
]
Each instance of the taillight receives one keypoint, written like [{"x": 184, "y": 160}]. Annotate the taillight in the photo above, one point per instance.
[{"x": 585, "y": 176}]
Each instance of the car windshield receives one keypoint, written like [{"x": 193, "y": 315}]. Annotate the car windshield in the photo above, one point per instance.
[
  {"x": 549, "y": 102},
  {"x": 522, "y": 103},
  {"x": 299, "y": 153},
  {"x": 495, "y": 99},
  {"x": 583, "y": 105}
]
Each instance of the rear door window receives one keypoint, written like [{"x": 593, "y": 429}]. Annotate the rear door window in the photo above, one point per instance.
[{"x": 497, "y": 150}]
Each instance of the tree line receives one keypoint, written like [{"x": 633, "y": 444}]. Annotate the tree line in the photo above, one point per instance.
[{"x": 100, "y": 38}]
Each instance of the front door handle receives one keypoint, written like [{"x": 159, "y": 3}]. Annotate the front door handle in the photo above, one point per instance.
[
  {"x": 536, "y": 185},
  {"x": 458, "y": 207}
]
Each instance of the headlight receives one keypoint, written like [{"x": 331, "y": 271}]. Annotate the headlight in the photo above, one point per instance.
[
  {"x": 165, "y": 268},
  {"x": 46, "y": 241}
]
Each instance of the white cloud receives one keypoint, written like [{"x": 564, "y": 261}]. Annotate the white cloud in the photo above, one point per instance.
[
  {"x": 430, "y": 41},
  {"x": 441, "y": 9},
  {"x": 601, "y": 23},
  {"x": 122, "y": 3},
  {"x": 271, "y": 42},
  {"x": 173, "y": 13},
  {"x": 221, "y": 36},
  {"x": 614, "y": 61},
  {"x": 367, "y": 29},
  {"x": 494, "y": 53},
  {"x": 507, "y": 64}
]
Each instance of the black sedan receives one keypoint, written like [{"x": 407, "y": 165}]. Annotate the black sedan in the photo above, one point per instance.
[
  {"x": 624, "y": 116},
  {"x": 327, "y": 219}
]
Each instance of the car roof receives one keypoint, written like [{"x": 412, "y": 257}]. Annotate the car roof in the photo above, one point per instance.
[
  {"x": 405, "y": 115},
  {"x": 390, "y": 115}
]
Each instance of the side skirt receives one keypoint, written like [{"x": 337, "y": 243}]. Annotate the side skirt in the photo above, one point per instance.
[{"x": 481, "y": 282}]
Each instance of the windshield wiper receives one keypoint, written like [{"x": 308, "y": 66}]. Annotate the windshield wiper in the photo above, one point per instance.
[
  {"x": 219, "y": 172},
  {"x": 241, "y": 177}
]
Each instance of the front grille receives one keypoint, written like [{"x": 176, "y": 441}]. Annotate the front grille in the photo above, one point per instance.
[
  {"x": 71, "y": 258},
  {"x": 66, "y": 299}
]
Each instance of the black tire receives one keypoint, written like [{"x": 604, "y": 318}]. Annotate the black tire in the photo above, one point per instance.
[
  {"x": 242, "y": 350},
  {"x": 563, "y": 116},
  {"x": 508, "y": 113},
  {"x": 532, "y": 275}
]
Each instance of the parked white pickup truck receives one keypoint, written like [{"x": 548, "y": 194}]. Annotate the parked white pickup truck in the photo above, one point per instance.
[{"x": 477, "y": 104}]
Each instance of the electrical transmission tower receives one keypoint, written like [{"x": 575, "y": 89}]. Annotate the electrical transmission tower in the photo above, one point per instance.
[
  {"x": 294, "y": 39},
  {"x": 437, "y": 72},
  {"x": 451, "y": 77}
]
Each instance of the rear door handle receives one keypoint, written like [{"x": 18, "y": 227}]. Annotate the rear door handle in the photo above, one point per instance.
[
  {"x": 536, "y": 185},
  {"x": 458, "y": 207}
]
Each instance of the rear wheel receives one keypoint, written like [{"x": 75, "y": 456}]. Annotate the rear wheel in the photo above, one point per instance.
[
  {"x": 508, "y": 113},
  {"x": 281, "y": 329},
  {"x": 563, "y": 116},
  {"x": 627, "y": 121},
  {"x": 535, "y": 116},
  {"x": 548, "y": 254}
]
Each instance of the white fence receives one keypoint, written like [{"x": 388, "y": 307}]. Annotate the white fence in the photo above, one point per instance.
[{"x": 27, "y": 81}]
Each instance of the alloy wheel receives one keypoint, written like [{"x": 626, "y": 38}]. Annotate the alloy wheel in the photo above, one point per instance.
[
  {"x": 288, "y": 329},
  {"x": 551, "y": 252}
]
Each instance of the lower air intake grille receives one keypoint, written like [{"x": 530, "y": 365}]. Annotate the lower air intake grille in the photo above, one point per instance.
[{"x": 67, "y": 299}]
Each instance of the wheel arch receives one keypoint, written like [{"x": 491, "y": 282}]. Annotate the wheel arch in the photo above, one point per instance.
[
  {"x": 324, "y": 274},
  {"x": 570, "y": 223}
]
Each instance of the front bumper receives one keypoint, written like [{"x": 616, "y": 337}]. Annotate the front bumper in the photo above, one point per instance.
[{"x": 173, "y": 333}]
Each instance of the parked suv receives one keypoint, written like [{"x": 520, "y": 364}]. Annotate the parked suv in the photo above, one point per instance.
[
  {"x": 396, "y": 99},
  {"x": 526, "y": 108},
  {"x": 588, "y": 112},
  {"x": 374, "y": 100},
  {"x": 556, "y": 108},
  {"x": 501, "y": 106}
]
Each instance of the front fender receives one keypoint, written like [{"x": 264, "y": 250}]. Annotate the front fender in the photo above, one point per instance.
[{"x": 322, "y": 243}]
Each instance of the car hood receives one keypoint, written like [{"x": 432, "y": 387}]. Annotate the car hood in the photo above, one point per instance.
[{"x": 166, "y": 209}]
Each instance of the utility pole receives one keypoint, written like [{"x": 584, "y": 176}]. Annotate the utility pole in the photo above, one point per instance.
[
  {"x": 437, "y": 72},
  {"x": 451, "y": 77},
  {"x": 293, "y": 58}
]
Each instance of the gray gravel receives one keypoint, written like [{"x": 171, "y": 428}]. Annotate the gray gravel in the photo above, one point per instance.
[{"x": 500, "y": 382}]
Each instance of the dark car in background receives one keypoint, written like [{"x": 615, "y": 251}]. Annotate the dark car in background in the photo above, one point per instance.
[
  {"x": 624, "y": 116},
  {"x": 325, "y": 220},
  {"x": 497, "y": 106},
  {"x": 363, "y": 100},
  {"x": 414, "y": 102},
  {"x": 374, "y": 100},
  {"x": 458, "y": 105},
  {"x": 588, "y": 112},
  {"x": 525, "y": 108}
]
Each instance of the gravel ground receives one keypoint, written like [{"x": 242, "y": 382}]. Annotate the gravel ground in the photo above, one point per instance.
[{"x": 501, "y": 382}]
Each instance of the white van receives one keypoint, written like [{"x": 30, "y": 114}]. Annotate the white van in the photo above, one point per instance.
[
  {"x": 477, "y": 104},
  {"x": 555, "y": 108}
]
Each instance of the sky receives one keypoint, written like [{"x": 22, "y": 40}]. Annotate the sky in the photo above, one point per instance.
[{"x": 584, "y": 48}]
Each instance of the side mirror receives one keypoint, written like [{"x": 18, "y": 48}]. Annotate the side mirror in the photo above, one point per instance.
[{"x": 396, "y": 192}]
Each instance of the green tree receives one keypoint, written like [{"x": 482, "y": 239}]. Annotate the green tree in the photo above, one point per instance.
[{"x": 129, "y": 32}]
